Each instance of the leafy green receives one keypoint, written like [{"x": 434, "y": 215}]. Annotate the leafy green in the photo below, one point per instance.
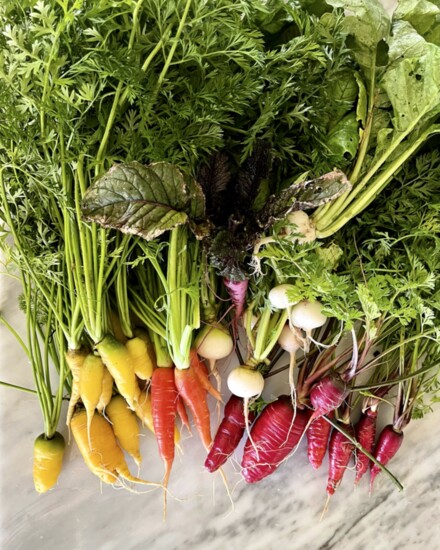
[
  {"x": 423, "y": 15},
  {"x": 143, "y": 200}
]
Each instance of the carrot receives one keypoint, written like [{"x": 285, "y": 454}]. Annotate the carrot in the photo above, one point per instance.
[
  {"x": 103, "y": 456},
  {"x": 116, "y": 327},
  {"x": 125, "y": 427},
  {"x": 117, "y": 359},
  {"x": 106, "y": 390},
  {"x": 183, "y": 415},
  {"x": 90, "y": 384},
  {"x": 327, "y": 395},
  {"x": 237, "y": 292},
  {"x": 365, "y": 435},
  {"x": 387, "y": 445},
  {"x": 48, "y": 461},
  {"x": 163, "y": 406},
  {"x": 193, "y": 394},
  {"x": 229, "y": 433},
  {"x": 142, "y": 356},
  {"x": 317, "y": 440},
  {"x": 74, "y": 359},
  {"x": 145, "y": 414},
  {"x": 275, "y": 434},
  {"x": 340, "y": 450},
  {"x": 203, "y": 375}
]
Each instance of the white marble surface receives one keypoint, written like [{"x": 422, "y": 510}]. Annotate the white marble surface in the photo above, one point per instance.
[{"x": 283, "y": 510}]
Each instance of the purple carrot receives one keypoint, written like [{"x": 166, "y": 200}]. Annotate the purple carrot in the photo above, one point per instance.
[
  {"x": 339, "y": 451},
  {"x": 388, "y": 444},
  {"x": 317, "y": 440},
  {"x": 274, "y": 436},
  {"x": 365, "y": 435},
  {"x": 237, "y": 292},
  {"x": 328, "y": 394},
  {"x": 229, "y": 433}
]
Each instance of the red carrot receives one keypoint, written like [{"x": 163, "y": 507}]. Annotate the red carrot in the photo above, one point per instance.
[
  {"x": 163, "y": 405},
  {"x": 328, "y": 394},
  {"x": 317, "y": 440},
  {"x": 203, "y": 375},
  {"x": 274, "y": 436},
  {"x": 365, "y": 435},
  {"x": 388, "y": 444},
  {"x": 237, "y": 292},
  {"x": 229, "y": 433},
  {"x": 340, "y": 450},
  {"x": 194, "y": 396}
]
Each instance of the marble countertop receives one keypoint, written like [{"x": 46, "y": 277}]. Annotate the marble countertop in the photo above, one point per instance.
[{"x": 283, "y": 510}]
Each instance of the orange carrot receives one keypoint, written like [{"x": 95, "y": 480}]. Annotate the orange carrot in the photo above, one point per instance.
[
  {"x": 194, "y": 396},
  {"x": 202, "y": 373},
  {"x": 164, "y": 404},
  {"x": 183, "y": 415}
]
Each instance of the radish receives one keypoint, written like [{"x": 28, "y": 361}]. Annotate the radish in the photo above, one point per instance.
[
  {"x": 388, "y": 444},
  {"x": 298, "y": 223},
  {"x": 275, "y": 434},
  {"x": 340, "y": 451},
  {"x": 229, "y": 434},
  {"x": 214, "y": 343},
  {"x": 365, "y": 435},
  {"x": 246, "y": 383},
  {"x": 328, "y": 394},
  {"x": 307, "y": 316},
  {"x": 278, "y": 296},
  {"x": 291, "y": 341},
  {"x": 317, "y": 440}
]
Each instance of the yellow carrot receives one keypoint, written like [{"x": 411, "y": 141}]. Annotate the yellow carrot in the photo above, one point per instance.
[
  {"x": 125, "y": 426},
  {"x": 90, "y": 384},
  {"x": 106, "y": 390},
  {"x": 142, "y": 355},
  {"x": 116, "y": 327},
  {"x": 103, "y": 457},
  {"x": 117, "y": 359},
  {"x": 74, "y": 359},
  {"x": 48, "y": 461}
]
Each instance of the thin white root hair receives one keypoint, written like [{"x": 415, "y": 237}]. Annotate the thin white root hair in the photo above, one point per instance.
[{"x": 246, "y": 420}]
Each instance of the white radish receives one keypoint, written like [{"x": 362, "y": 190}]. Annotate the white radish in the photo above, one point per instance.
[
  {"x": 214, "y": 343},
  {"x": 291, "y": 340},
  {"x": 299, "y": 223},
  {"x": 307, "y": 315},
  {"x": 246, "y": 383},
  {"x": 278, "y": 296}
]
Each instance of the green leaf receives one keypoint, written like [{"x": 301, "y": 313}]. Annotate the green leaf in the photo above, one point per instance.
[
  {"x": 413, "y": 87},
  {"x": 343, "y": 140},
  {"x": 143, "y": 200},
  {"x": 362, "y": 103},
  {"x": 423, "y": 15},
  {"x": 368, "y": 23},
  {"x": 304, "y": 195}
]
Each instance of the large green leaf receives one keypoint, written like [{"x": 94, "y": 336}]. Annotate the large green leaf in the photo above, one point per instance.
[
  {"x": 343, "y": 140},
  {"x": 423, "y": 15},
  {"x": 143, "y": 200}
]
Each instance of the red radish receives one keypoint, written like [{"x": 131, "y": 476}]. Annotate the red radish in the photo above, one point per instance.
[
  {"x": 340, "y": 450},
  {"x": 317, "y": 440},
  {"x": 275, "y": 434},
  {"x": 365, "y": 435},
  {"x": 387, "y": 445},
  {"x": 229, "y": 433},
  {"x": 328, "y": 394},
  {"x": 237, "y": 291}
]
